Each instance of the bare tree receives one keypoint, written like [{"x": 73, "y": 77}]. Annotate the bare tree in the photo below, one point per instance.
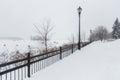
[
  {"x": 100, "y": 33},
  {"x": 44, "y": 32}
]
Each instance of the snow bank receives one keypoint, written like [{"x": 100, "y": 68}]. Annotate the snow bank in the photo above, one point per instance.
[{"x": 97, "y": 61}]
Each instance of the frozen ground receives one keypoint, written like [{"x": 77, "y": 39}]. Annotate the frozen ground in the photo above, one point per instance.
[{"x": 97, "y": 61}]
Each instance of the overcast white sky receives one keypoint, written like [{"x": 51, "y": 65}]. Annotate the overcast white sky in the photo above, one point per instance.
[{"x": 18, "y": 16}]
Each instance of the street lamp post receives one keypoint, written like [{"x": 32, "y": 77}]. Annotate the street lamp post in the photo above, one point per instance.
[{"x": 79, "y": 40}]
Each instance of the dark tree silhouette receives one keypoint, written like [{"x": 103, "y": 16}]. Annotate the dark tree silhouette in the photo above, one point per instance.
[{"x": 116, "y": 29}]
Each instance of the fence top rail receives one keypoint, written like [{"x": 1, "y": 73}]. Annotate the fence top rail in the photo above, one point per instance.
[
  {"x": 12, "y": 62},
  {"x": 44, "y": 54},
  {"x": 12, "y": 69},
  {"x": 43, "y": 58},
  {"x": 69, "y": 47}
]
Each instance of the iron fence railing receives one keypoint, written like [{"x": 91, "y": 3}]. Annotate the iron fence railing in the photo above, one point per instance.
[{"x": 22, "y": 68}]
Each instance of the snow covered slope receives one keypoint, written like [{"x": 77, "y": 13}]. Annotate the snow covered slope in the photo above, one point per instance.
[{"x": 97, "y": 61}]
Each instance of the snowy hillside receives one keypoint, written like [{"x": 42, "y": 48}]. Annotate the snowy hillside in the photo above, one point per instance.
[{"x": 97, "y": 61}]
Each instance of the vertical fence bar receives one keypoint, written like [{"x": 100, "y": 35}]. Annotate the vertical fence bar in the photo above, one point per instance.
[
  {"x": 21, "y": 73},
  {"x": 34, "y": 67},
  {"x": 15, "y": 75},
  {"x": 72, "y": 48},
  {"x": 28, "y": 64},
  {"x": 10, "y": 75},
  {"x": 25, "y": 72},
  {"x": 6, "y": 76},
  {"x": 18, "y": 74},
  {"x": 60, "y": 53}
]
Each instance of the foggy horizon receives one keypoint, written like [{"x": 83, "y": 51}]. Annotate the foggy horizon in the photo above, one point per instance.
[{"x": 17, "y": 17}]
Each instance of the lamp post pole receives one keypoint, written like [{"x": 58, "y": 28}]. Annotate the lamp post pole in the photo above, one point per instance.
[{"x": 79, "y": 38}]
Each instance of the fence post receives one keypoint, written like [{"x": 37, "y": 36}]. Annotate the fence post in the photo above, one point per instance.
[
  {"x": 28, "y": 64},
  {"x": 60, "y": 52},
  {"x": 72, "y": 48}
]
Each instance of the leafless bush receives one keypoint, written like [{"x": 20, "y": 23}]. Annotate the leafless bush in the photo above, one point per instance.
[
  {"x": 66, "y": 45},
  {"x": 51, "y": 49}
]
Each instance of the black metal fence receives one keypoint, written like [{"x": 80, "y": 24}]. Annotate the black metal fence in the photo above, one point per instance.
[{"x": 22, "y": 68}]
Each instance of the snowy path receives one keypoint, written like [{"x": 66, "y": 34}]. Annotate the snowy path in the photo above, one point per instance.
[{"x": 98, "y": 61}]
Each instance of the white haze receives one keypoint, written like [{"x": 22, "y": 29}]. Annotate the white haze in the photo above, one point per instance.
[{"x": 18, "y": 16}]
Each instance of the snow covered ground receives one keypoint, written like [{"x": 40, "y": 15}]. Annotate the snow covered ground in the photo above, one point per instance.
[
  {"x": 97, "y": 61},
  {"x": 22, "y": 45},
  {"x": 9, "y": 47}
]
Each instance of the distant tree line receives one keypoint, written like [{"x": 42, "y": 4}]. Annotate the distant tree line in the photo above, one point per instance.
[{"x": 101, "y": 32}]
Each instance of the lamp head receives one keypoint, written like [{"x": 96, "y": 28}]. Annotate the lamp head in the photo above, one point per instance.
[{"x": 79, "y": 9}]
